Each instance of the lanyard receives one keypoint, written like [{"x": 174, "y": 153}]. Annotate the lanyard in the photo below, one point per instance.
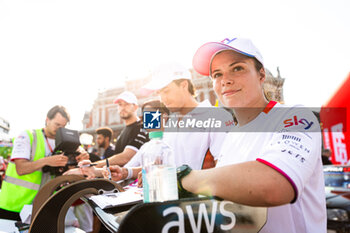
[{"x": 47, "y": 142}]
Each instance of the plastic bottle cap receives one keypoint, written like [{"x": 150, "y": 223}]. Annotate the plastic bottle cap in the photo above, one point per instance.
[{"x": 155, "y": 134}]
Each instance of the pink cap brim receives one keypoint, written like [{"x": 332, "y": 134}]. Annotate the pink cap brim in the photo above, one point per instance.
[
  {"x": 203, "y": 56},
  {"x": 116, "y": 100}
]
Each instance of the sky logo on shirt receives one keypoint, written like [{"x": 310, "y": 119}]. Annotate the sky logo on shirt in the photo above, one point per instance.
[
  {"x": 151, "y": 120},
  {"x": 294, "y": 121}
]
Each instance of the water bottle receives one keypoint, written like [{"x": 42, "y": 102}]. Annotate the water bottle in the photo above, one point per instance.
[{"x": 158, "y": 170}]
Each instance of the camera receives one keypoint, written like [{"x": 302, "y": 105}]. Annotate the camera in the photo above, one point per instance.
[{"x": 67, "y": 142}]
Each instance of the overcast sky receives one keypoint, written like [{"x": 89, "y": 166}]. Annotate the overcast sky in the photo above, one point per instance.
[{"x": 65, "y": 52}]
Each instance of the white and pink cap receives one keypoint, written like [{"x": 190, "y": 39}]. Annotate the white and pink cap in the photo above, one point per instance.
[{"x": 202, "y": 59}]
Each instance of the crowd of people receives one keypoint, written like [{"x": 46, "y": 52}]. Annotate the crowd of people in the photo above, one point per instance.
[{"x": 263, "y": 158}]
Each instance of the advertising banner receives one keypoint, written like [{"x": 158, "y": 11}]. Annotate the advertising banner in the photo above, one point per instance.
[{"x": 335, "y": 120}]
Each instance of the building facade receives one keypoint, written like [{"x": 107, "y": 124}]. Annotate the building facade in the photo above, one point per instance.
[
  {"x": 104, "y": 111},
  {"x": 4, "y": 130},
  {"x": 273, "y": 86}
]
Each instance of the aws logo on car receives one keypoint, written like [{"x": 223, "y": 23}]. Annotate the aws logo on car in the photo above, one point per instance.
[{"x": 294, "y": 121}]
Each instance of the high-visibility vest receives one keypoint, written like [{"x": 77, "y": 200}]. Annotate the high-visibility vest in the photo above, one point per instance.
[{"x": 16, "y": 190}]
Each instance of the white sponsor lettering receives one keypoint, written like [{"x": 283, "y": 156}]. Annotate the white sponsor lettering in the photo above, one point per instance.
[
  {"x": 327, "y": 143},
  {"x": 202, "y": 213},
  {"x": 227, "y": 214},
  {"x": 339, "y": 146},
  {"x": 179, "y": 223}
]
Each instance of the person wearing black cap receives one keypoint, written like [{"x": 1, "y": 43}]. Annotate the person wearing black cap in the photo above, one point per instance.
[{"x": 103, "y": 140}]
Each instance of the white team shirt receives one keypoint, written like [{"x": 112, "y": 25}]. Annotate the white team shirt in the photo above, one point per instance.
[
  {"x": 22, "y": 148},
  {"x": 288, "y": 141},
  {"x": 191, "y": 147}
]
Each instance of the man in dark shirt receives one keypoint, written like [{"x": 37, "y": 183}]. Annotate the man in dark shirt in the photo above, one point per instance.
[
  {"x": 103, "y": 140},
  {"x": 132, "y": 137}
]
